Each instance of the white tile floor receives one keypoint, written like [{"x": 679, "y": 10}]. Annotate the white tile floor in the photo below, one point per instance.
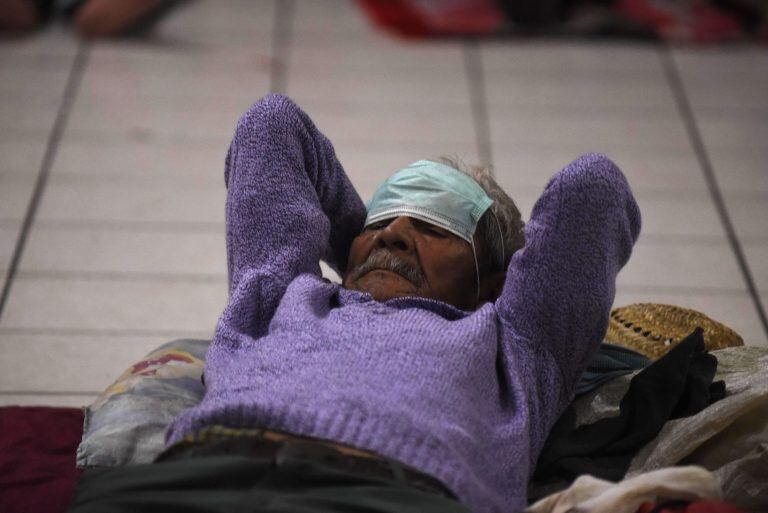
[{"x": 125, "y": 245}]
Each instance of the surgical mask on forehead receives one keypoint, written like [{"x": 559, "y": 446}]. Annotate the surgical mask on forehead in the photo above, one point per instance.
[{"x": 436, "y": 194}]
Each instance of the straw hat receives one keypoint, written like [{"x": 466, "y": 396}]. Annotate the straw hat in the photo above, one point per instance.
[{"x": 653, "y": 329}]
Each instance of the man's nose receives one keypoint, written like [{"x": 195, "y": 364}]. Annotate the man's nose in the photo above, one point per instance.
[{"x": 397, "y": 235}]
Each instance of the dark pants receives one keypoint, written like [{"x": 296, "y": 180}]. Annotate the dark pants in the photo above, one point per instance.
[{"x": 235, "y": 483}]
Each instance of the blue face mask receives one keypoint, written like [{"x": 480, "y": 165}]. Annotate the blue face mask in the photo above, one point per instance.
[{"x": 436, "y": 194}]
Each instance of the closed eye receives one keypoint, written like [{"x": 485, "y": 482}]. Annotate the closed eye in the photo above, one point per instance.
[
  {"x": 378, "y": 226},
  {"x": 433, "y": 230},
  {"x": 437, "y": 232}
]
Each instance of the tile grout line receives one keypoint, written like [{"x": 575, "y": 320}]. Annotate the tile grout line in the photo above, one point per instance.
[
  {"x": 686, "y": 112},
  {"x": 47, "y": 392},
  {"x": 141, "y": 226},
  {"x": 122, "y": 276},
  {"x": 282, "y": 24},
  {"x": 474, "y": 73},
  {"x": 57, "y": 131},
  {"x": 105, "y": 332}
]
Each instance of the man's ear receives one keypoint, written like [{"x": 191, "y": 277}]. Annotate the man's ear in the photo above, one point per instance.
[{"x": 492, "y": 285}]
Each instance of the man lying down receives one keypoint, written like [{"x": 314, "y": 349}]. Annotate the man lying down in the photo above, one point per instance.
[{"x": 428, "y": 380}]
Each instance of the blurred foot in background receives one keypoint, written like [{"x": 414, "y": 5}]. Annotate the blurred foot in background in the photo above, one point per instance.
[
  {"x": 91, "y": 18},
  {"x": 19, "y": 16},
  {"x": 110, "y": 18}
]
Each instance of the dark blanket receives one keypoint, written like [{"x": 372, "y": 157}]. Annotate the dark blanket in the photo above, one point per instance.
[
  {"x": 677, "y": 385},
  {"x": 37, "y": 458}
]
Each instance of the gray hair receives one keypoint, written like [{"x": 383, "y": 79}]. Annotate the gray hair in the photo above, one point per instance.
[{"x": 502, "y": 239}]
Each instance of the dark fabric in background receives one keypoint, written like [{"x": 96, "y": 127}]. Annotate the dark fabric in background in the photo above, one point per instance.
[
  {"x": 37, "y": 458},
  {"x": 688, "y": 507},
  {"x": 231, "y": 483},
  {"x": 677, "y": 385}
]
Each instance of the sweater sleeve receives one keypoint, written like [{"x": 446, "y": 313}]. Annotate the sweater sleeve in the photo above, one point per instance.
[
  {"x": 560, "y": 287},
  {"x": 289, "y": 205}
]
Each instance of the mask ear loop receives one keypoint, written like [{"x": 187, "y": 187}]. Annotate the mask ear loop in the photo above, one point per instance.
[
  {"x": 477, "y": 269},
  {"x": 501, "y": 239},
  {"x": 474, "y": 253}
]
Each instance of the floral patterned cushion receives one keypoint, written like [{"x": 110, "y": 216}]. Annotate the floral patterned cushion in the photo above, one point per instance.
[{"x": 126, "y": 425}]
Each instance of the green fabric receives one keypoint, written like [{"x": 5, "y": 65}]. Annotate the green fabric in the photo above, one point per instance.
[{"x": 226, "y": 483}]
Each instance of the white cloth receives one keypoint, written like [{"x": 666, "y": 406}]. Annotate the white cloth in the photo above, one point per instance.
[{"x": 591, "y": 495}]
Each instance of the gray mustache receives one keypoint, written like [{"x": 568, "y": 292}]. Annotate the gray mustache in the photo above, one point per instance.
[{"x": 383, "y": 259}]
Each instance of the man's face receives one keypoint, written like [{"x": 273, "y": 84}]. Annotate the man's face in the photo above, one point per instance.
[{"x": 408, "y": 257}]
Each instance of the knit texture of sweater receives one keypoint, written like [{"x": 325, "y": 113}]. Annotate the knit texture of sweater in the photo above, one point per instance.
[{"x": 467, "y": 397}]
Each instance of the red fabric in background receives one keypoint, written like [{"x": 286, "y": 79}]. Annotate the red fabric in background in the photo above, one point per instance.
[
  {"x": 701, "y": 21},
  {"x": 695, "y": 507},
  {"x": 423, "y": 18},
  {"x": 37, "y": 458}
]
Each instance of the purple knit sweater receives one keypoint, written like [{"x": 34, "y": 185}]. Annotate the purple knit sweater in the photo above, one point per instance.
[{"x": 467, "y": 397}]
